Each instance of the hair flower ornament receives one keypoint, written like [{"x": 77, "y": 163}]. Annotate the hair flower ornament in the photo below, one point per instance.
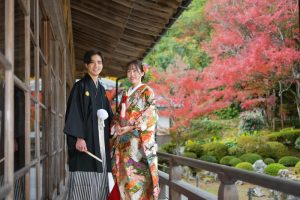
[{"x": 145, "y": 68}]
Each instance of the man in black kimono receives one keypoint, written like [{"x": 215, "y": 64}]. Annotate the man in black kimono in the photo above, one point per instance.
[{"x": 88, "y": 177}]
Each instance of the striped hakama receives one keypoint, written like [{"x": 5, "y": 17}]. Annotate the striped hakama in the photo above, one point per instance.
[{"x": 88, "y": 186}]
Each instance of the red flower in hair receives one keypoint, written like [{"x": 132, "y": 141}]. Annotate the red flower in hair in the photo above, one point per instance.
[{"x": 145, "y": 68}]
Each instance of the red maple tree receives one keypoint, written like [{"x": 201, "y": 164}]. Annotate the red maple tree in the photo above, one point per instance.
[
  {"x": 253, "y": 47},
  {"x": 176, "y": 94}
]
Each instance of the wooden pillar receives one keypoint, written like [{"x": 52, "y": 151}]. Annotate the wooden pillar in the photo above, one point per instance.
[
  {"x": 227, "y": 189},
  {"x": 37, "y": 106},
  {"x": 47, "y": 130},
  {"x": 163, "y": 192},
  {"x": 27, "y": 99},
  {"x": 64, "y": 103},
  {"x": 9, "y": 96},
  {"x": 175, "y": 174}
]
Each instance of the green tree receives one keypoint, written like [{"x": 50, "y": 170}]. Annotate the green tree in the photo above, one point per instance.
[{"x": 182, "y": 41}]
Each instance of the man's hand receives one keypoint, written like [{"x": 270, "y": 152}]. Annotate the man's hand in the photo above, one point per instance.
[{"x": 81, "y": 145}]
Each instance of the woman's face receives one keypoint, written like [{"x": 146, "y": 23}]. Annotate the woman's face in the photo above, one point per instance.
[
  {"x": 134, "y": 75},
  {"x": 95, "y": 66}
]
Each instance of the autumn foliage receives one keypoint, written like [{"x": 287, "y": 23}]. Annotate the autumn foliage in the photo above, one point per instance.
[
  {"x": 176, "y": 94},
  {"x": 254, "y": 45}
]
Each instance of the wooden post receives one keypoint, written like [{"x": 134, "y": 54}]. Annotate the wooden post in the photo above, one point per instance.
[
  {"x": 9, "y": 97},
  {"x": 56, "y": 121},
  {"x": 227, "y": 189},
  {"x": 64, "y": 103},
  {"x": 50, "y": 135},
  {"x": 47, "y": 130},
  {"x": 27, "y": 99},
  {"x": 163, "y": 192},
  {"x": 37, "y": 106},
  {"x": 197, "y": 181},
  {"x": 175, "y": 174}
]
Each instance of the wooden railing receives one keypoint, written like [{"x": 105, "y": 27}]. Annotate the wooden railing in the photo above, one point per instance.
[{"x": 227, "y": 176}]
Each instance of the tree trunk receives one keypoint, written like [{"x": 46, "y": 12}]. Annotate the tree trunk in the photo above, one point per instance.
[
  {"x": 177, "y": 139},
  {"x": 298, "y": 97},
  {"x": 273, "y": 116},
  {"x": 178, "y": 142},
  {"x": 281, "y": 109}
]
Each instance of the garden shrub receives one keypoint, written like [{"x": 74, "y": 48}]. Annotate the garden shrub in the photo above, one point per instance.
[
  {"x": 195, "y": 147},
  {"x": 251, "y": 121},
  {"x": 285, "y": 136},
  {"x": 254, "y": 144},
  {"x": 288, "y": 161},
  {"x": 288, "y": 129},
  {"x": 168, "y": 147},
  {"x": 277, "y": 150},
  {"x": 273, "y": 169},
  {"x": 268, "y": 161},
  {"x": 245, "y": 165},
  {"x": 189, "y": 154},
  {"x": 264, "y": 150},
  {"x": 230, "y": 143},
  {"x": 201, "y": 128},
  {"x": 226, "y": 160},
  {"x": 216, "y": 149},
  {"x": 209, "y": 158},
  {"x": 250, "y": 157},
  {"x": 236, "y": 151},
  {"x": 230, "y": 112},
  {"x": 297, "y": 143},
  {"x": 234, "y": 161},
  {"x": 297, "y": 168}
]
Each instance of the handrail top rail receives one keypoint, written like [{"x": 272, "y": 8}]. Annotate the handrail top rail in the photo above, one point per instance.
[{"x": 232, "y": 174}]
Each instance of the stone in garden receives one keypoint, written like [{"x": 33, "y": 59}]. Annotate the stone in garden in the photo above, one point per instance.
[
  {"x": 258, "y": 192},
  {"x": 274, "y": 194},
  {"x": 239, "y": 182},
  {"x": 283, "y": 173},
  {"x": 186, "y": 172},
  {"x": 259, "y": 166},
  {"x": 291, "y": 197}
]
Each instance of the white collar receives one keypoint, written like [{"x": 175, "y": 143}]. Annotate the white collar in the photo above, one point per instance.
[{"x": 132, "y": 90}]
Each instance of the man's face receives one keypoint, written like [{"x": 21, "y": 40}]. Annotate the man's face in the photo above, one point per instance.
[{"x": 95, "y": 66}]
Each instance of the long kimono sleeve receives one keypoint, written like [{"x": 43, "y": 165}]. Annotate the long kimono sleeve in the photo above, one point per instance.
[
  {"x": 116, "y": 119},
  {"x": 146, "y": 126},
  {"x": 110, "y": 115},
  {"x": 109, "y": 111},
  {"x": 74, "y": 121}
]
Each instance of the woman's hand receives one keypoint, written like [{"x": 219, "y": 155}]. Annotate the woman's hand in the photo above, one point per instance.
[
  {"x": 81, "y": 145},
  {"x": 125, "y": 129},
  {"x": 156, "y": 191}
]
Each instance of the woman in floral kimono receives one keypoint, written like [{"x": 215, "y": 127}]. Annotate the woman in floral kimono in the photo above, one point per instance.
[{"x": 134, "y": 148}]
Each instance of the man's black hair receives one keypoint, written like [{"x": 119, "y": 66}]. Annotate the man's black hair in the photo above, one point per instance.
[{"x": 88, "y": 55}]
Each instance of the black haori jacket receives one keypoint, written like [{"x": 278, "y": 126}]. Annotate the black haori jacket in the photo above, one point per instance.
[{"x": 81, "y": 122}]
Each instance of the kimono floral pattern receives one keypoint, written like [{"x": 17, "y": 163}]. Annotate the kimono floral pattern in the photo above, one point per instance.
[{"x": 134, "y": 158}]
